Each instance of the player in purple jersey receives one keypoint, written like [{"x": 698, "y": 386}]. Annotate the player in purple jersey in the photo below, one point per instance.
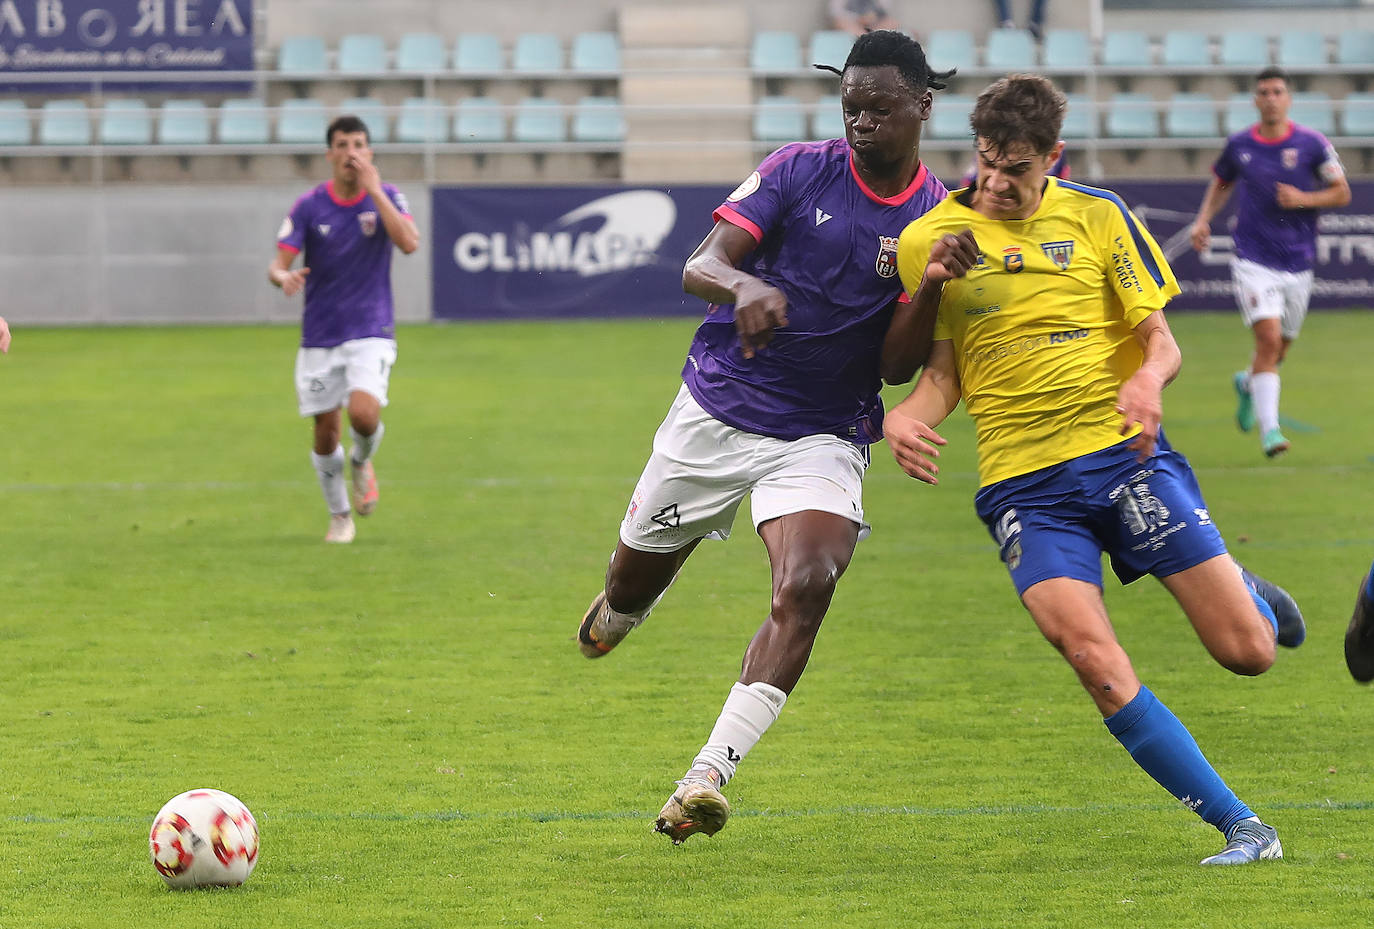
[
  {"x": 347, "y": 227},
  {"x": 1286, "y": 173},
  {"x": 780, "y": 394}
]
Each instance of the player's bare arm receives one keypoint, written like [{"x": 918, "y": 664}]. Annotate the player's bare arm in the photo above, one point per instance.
[
  {"x": 399, "y": 227},
  {"x": 712, "y": 274},
  {"x": 1140, "y": 401},
  {"x": 1334, "y": 195},
  {"x": 907, "y": 343},
  {"x": 4, "y": 336},
  {"x": 1218, "y": 192},
  {"x": 909, "y": 427},
  {"x": 281, "y": 274}
]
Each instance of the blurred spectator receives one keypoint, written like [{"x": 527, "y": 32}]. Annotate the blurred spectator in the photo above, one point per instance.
[
  {"x": 1037, "y": 17},
  {"x": 860, "y": 16}
]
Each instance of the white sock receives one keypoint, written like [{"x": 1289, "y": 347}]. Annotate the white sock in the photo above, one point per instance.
[
  {"x": 1264, "y": 390},
  {"x": 748, "y": 712},
  {"x": 330, "y": 469},
  {"x": 365, "y": 446}
]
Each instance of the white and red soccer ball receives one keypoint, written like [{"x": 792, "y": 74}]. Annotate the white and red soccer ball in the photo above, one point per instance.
[{"x": 204, "y": 838}]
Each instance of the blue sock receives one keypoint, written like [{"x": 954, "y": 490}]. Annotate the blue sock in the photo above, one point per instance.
[
  {"x": 1164, "y": 748},
  {"x": 1265, "y": 609}
]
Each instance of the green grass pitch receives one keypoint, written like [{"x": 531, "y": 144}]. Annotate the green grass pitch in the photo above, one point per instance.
[{"x": 423, "y": 745}]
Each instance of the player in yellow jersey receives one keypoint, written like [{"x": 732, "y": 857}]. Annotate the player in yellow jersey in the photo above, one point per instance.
[{"x": 1048, "y": 299}]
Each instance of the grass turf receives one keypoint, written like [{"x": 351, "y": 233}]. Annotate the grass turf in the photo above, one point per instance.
[{"x": 423, "y": 745}]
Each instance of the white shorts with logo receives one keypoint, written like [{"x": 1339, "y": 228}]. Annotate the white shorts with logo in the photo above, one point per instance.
[
  {"x": 1267, "y": 293},
  {"x": 701, "y": 469},
  {"x": 326, "y": 376}
]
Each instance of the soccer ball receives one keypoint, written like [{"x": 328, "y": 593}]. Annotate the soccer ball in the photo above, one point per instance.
[{"x": 204, "y": 838}]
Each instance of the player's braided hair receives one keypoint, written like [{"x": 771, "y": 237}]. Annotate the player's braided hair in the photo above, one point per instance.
[
  {"x": 1019, "y": 109},
  {"x": 890, "y": 47}
]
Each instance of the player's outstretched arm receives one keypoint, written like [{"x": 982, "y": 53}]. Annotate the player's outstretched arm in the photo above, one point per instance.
[
  {"x": 909, "y": 427},
  {"x": 1140, "y": 401},
  {"x": 281, "y": 275},
  {"x": 712, "y": 273},
  {"x": 906, "y": 346},
  {"x": 4, "y": 336},
  {"x": 1218, "y": 192}
]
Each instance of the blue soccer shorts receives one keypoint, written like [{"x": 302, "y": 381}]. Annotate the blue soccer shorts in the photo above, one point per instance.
[{"x": 1056, "y": 522}]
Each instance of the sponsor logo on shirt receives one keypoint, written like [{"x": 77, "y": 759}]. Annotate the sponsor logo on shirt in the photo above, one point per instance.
[
  {"x": 1012, "y": 260},
  {"x": 887, "y": 256},
  {"x": 368, "y": 223},
  {"x": 822, "y": 216},
  {"x": 323, "y": 229},
  {"x": 747, "y": 187},
  {"x": 1125, "y": 268},
  {"x": 1061, "y": 253}
]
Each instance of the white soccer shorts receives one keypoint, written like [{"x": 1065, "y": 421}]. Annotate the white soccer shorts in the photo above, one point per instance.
[
  {"x": 701, "y": 469},
  {"x": 326, "y": 376},
  {"x": 1267, "y": 293}
]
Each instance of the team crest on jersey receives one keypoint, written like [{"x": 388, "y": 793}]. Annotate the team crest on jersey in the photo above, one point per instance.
[
  {"x": 981, "y": 262},
  {"x": 887, "y": 256},
  {"x": 368, "y": 222},
  {"x": 1061, "y": 253},
  {"x": 1012, "y": 259},
  {"x": 1289, "y": 157}
]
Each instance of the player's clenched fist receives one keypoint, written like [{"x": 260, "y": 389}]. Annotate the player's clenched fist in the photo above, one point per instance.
[
  {"x": 952, "y": 256},
  {"x": 759, "y": 309}
]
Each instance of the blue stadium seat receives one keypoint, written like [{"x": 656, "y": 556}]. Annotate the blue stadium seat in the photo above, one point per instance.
[
  {"x": 373, "y": 114},
  {"x": 775, "y": 52},
  {"x": 1244, "y": 50},
  {"x": 1191, "y": 115},
  {"x": 243, "y": 121},
  {"x": 1358, "y": 117},
  {"x": 1185, "y": 48},
  {"x": 779, "y": 118},
  {"x": 538, "y": 119},
  {"x": 537, "y": 52},
  {"x": 1355, "y": 47},
  {"x": 422, "y": 119},
  {"x": 1240, "y": 113},
  {"x": 15, "y": 128},
  {"x": 598, "y": 119},
  {"x": 1009, "y": 50},
  {"x": 362, "y": 54},
  {"x": 479, "y": 119},
  {"x": 1125, "y": 48},
  {"x": 64, "y": 122},
  {"x": 420, "y": 51},
  {"x": 125, "y": 122},
  {"x": 1302, "y": 50},
  {"x": 302, "y": 122},
  {"x": 302, "y": 54},
  {"x": 827, "y": 120},
  {"x": 949, "y": 117},
  {"x": 1067, "y": 49},
  {"x": 951, "y": 48},
  {"x": 1080, "y": 118},
  {"x": 478, "y": 53},
  {"x": 1132, "y": 116},
  {"x": 596, "y": 51},
  {"x": 183, "y": 122},
  {"x": 829, "y": 47},
  {"x": 1314, "y": 110}
]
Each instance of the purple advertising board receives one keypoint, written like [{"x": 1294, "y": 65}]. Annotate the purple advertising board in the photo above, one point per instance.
[
  {"x": 73, "y": 38},
  {"x": 525, "y": 253}
]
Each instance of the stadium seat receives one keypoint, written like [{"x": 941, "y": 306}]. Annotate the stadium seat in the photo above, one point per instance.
[
  {"x": 420, "y": 51},
  {"x": 538, "y": 119},
  {"x": 951, "y": 48},
  {"x": 1132, "y": 116},
  {"x": 422, "y": 119},
  {"x": 536, "y": 52},
  {"x": 1240, "y": 113},
  {"x": 1125, "y": 49},
  {"x": 1080, "y": 118},
  {"x": 1009, "y": 50},
  {"x": 302, "y": 54},
  {"x": 64, "y": 122},
  {"x": 598, "y": 119},
  {"x": 774, "y": 52},
  {"x": 362, "y": 54},
  {"x": 243, "y": 121},
  {"x": 15, "y": 128},
  {"x": 1067, "y": 49},
  {"x": 478, "y": 53},
  {"x": 1184, "y": 48},
  {"x": 1244, "y": 50},
  {"x": 595, "y": 51},
  {"x": 1314, "y": 110},
  {"x": 779, "y": 118},
  {"x": 302, "y": 122},
  {"x": 183, "y": 122},
  {"x": 372, "y": 112},
  {"x": 1355, "y": 47},
  {"x": 827, "y": 119},
  {"x": 479, "y": 119},
  {"x": 949, "y": 117},
  {"x": 1191, "y": 115},
  {"x": 125, "y": 122},
  {"x": 1302, "y": 50},
  {"x": 829, "y": 47},
  {"x": 1358, "y": 116}
]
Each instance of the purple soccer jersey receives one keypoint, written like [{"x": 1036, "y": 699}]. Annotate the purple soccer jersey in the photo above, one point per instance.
[
  {"x": 830, "y": 245},
  {"x": 348, "y": 291},
  {"x": 1265, "y": 232}
]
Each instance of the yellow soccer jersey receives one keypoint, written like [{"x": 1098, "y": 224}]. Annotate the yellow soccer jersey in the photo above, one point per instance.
[{"x": 1042, "y": 325}]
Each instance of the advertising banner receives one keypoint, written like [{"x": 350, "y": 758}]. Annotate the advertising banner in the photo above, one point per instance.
[{"x": 133, "y": 37}]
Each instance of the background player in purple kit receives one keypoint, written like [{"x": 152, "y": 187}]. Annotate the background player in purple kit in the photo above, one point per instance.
[
  {"x": 780, "y": 395},
  {"x": 1286, "y": 173},
  {"x": 347, "y": 227}
]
